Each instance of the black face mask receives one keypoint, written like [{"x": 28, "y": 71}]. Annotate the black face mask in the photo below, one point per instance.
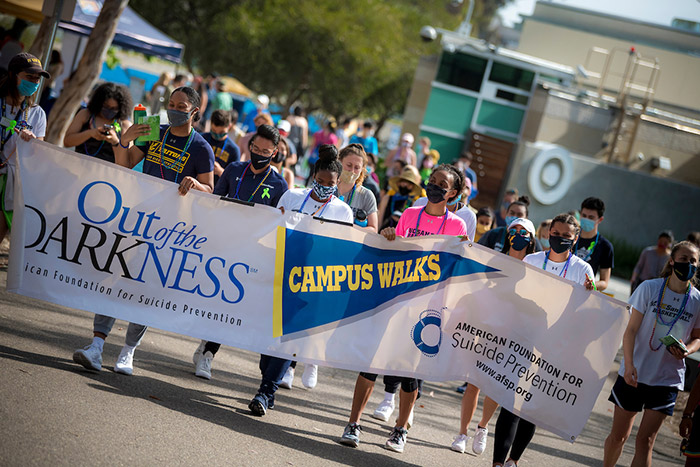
[
  {"x": 435, "y": 193},
  {"x": 684, "y": 271},
  {"x": 518, "y": 242},
  {"x": 259, "y": 161},
  {"x": 404, "y": 190},
  {"x": 560, "y": 244},
  {"x": 108, "y": 113}
]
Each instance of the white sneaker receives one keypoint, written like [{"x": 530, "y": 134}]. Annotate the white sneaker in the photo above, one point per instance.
[
  {"x": 384, "y": 410},
  {"x": 288, "y": 379},
  {"x": 125, "y": 361},
  {"x": 310, "y": 376},
  {"x": 479, "y": 443},
  {"x": 198, "y": 353},
  {"x": 203, "y": 369},
  {"x": 460, "y": 443},
  {"x": 510, "y": 463},
  {"x": 90, "y": 357}
]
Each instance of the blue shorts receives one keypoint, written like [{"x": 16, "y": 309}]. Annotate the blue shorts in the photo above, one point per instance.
[{"x": 659, "y": 398}]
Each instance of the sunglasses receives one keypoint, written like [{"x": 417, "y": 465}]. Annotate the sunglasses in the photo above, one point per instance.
[{"x": 522, "y": 232}]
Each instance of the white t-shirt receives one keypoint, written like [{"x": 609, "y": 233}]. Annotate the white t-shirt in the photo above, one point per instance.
[
  {"x": 576, "y": 272},
  {"x": 466, "y": 214},
  {"x": 660, "y": 368},
  {"x": 36, "y": 118},
  {"x": 336, "y": 210}
]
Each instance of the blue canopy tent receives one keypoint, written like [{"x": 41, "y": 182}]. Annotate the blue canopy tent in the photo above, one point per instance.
[{"x": 133, "y": 32}]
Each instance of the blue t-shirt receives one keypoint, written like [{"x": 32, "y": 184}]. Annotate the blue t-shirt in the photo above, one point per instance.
[
  {"x": 225, "y": 151},
  {"x": 370, "y": 143},
  {"x": 176, "y": 165},
  {"x": 263, "y": 188}
]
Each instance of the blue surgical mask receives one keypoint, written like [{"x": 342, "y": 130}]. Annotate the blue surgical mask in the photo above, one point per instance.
[
  {"x": 587, "y": 224},
  {"x": 322, "y": 192},
  {"x": 27, "y": 88},
  {"x": 545, "y": 243},
  {"x": 510, "y": 219},
  {"x": 456, "y": 200}
]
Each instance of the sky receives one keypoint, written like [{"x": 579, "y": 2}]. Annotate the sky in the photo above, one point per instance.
[{"x": 652, "y": 11}]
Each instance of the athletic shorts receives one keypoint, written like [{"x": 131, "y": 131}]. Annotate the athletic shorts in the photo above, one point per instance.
[
  {"x": 693, "y": 447},
  {"x": 659, "y": 398},
  {"x": 407, "y": 384}
]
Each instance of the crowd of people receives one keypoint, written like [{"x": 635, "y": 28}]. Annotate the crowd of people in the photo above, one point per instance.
[{"x": 208, "y": 151}]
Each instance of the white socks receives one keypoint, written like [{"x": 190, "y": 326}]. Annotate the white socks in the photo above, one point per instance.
[
  {"x": 98, "y": 342},
  {"x": 389, "y": 397}
]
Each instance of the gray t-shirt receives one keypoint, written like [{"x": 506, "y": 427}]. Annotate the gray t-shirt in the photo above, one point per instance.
[
  {"x": 650, "y": 264},
  {"x": 362, "y": 199}
]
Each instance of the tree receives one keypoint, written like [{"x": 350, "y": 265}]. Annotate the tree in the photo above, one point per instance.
[
  {"x": 348, "y": 58},
  {"x": 87, "y": 72}
]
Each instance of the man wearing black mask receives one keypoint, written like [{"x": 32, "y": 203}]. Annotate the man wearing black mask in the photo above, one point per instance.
[{"x": 253, "y": 181}]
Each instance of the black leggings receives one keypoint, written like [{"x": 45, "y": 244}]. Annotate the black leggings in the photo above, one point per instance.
[
  {"x": 512, "y": 434},
  {"x": 212, "y": 347}
]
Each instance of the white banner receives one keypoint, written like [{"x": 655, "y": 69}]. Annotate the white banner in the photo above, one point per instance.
[{"x": 101, "y": 238}]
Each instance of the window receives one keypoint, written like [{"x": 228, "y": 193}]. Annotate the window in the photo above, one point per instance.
[
  {"x": 464, "y": 71},
  {"x": 511, "y": 76},
  {"x": 510, "y": 96}
]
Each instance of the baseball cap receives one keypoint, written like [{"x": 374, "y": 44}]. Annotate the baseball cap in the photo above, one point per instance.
[
  {"x": 28, "y": 63},
  {"x": 263, "y": 99},
  {"x": 284, "y": 125},
  {"x": 527, "y": 223}
]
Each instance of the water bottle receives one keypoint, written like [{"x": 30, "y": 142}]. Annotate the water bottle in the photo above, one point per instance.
[
  {"x": 361, "y": 218},
  {"x": 139, "y": 111}
]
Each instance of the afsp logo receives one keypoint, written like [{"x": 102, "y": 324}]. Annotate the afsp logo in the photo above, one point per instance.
[{"x": 427, "y": 332}]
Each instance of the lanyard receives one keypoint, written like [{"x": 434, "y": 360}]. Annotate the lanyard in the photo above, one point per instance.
[
  {"x": 352, "y": 195},
  {"x": 322, "y": 208},
  {"x": 658, "y": 319},
  {"x": 10, "y": 132},
  {"x": 442, "y": 226},
  {"x": 162, "y": 145},
  {"x": 92, "y": 122},
  {"x": 240, "y": 180},
  {"x": 589, "y": 250},
  {"x": 566, "y": 266}
]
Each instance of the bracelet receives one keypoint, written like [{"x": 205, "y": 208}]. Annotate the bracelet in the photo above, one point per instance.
[{"x": 120, "y": 144}]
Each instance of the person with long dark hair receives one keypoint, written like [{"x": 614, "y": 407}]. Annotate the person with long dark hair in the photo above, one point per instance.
[
  {"x": 189, "y": 162},
  {"x": 22, "y": 119},
  {"x": 95, "y": 130}
]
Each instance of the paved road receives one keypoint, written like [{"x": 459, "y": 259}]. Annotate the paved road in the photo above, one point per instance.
[{"x": 53, "y": 412}]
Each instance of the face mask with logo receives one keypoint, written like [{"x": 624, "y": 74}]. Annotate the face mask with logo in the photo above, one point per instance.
[
  {"x": 684, "y": 271},
  {"x": 435, "y": 193},
  {"x": 510, "y": 219},
  {"x": 258, "y": 161},
  {"x": 178, "y": 117},
  {"x": 348, "y": 177},
  {"x": 518, "y": 242},
  {"x": 322, "y": 192},
  {"x": 27, "y": 88},
  {"x": 219, "y": 136},
  {"x": 587, "y": 225},
  {"x": 560, "y": 244},
  {"x": 108, "y": 113}
]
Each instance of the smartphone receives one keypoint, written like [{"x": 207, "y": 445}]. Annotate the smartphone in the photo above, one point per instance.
[
  {"x": 669, "y": 341},
  {"x": 106, "y": 128}
]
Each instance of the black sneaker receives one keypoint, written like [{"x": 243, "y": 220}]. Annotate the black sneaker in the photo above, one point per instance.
[
  {"x": 258, "y": 405},
  {"x": 351, "y": 435},
  {"x": 397, "y": 439}
]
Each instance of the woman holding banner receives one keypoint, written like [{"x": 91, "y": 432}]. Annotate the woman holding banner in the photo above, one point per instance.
[
  {"x": 664, "y": 317},
  {"x": 444, "y": 185},
  {"x": 21, "y": 118},
  {"x": 192, "y": 168},
  {"x": 520, "y": 241},
  {"x": 318, "y": 201},
  {"x": 512, "y": 433}
]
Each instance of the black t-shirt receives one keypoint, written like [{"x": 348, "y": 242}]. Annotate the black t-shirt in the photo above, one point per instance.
[
  {"x": 263, "y": 188},
  {"x": 496, "y": 239},
  {"x": 176, "y": 165},
  {"x": 602, "y": 255},
  {"x": 95, "y": 148}
]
